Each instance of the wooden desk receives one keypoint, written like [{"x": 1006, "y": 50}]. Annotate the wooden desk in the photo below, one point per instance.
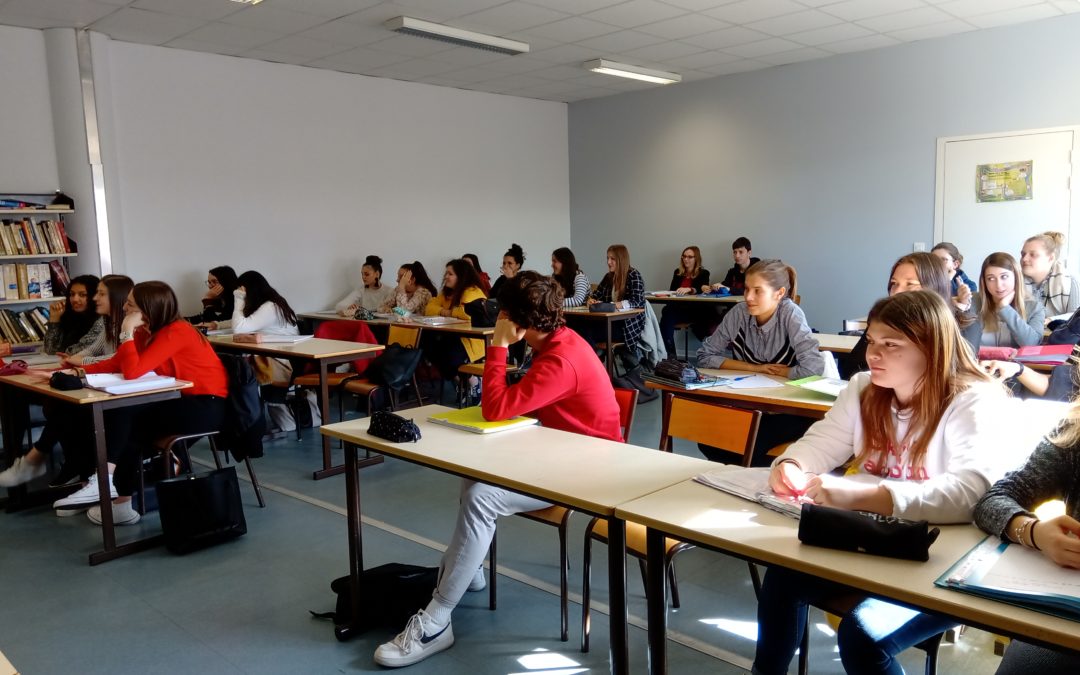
[
  {"x": 583, "y": 473},
  {"x": 786, "y": 399},
  {"x": 699, "y": 299},
  {"x": 323, "y": 353},
  {"x": 583, "y": 314},
  {"x": 838, "y": 344},
  {"x": 712, "y": 519},
  {"x": 99, "y": 402}
]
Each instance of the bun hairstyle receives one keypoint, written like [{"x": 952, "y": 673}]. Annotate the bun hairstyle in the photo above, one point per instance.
[
  {"x": 1052, "y": 241},
  {"x": 517, "y": 253},
  {"x": 777, "y": 274},
  {"x": 375, "y": 263}
]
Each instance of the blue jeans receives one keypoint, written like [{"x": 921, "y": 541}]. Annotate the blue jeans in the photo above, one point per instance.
[{"x": 870, "y": 635}]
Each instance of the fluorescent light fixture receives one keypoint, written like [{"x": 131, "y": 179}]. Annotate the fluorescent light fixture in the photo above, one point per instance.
[
  {"x": 248, "y": 2},
  {"x": 455, "y": 36},
  {"x": 633, "y": 72}
]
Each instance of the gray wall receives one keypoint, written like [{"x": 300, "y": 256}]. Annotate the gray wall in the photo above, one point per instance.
[
  {"x": 28, "y": 162},
  {"x": 827, "y": 164}
]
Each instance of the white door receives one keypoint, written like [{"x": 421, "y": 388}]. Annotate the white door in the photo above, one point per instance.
[{"x": 979, "y": 228}]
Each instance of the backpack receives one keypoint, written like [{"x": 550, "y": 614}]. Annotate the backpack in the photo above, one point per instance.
[{"x": 391, "y": 594}]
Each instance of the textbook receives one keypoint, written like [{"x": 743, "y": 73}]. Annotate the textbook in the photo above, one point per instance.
[
  {"x": 114, "y": 383},
  {"x": 752, "y": 484},
  {"x": 471, "y": 419},
  {"x": 265, "y": 338},
  {"x": 700, "y": 383},
  {"x": 824, "y": 385},
  {"x": 1020, "y": 576}
]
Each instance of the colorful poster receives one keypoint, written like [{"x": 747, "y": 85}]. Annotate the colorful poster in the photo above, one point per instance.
[{"x": 1006, "y": 182}]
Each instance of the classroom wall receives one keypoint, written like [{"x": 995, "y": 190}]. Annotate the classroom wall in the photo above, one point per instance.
[
  {"x": 26, "y": 128},
  {"x": 301, "y": 172},
  {"x": 827, "y": 164}
]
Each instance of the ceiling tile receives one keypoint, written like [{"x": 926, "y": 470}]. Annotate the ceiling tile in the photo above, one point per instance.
[
  {"x": 794, "y": 23},
  {"x": 635, "y": 13},
  {"x": 699, "y": 5},
  {"x": 572, "y": 29},
  {"x": 861, "y": 44},
  {"x": 377, "y": 15},
  {"x": 467, "y": 56},
  {"x": 302, "y": 47},
  {"x": 78, "y": 14},
  {"x": 909, "y": 19},
  {"x": 209, "y": 10},
  {"x": 281, "y": 21},
  {"x": 346, "y": 33},
  {"x": 567, "y": 54},
  {"x": 38, "y": 22},
  {"x": 517, "y": 64},
  {"x": 763, "y": 47},
  {"x": 560, "y": 73},
  {"x": 413, "y": 68},
  {"x": 683, "y": 26},
  {"x": 663, "y": 51},
  {"x": 575, "y": 6},
  {"x": 516, "y": 82},
  {"x": 230, "y": 36},
  {"x": 794, "y": 56},
  {"x": 328, "y": 9},
  {"x": 508, "y": 18},
  {"x": 621, "y": 41},
  {"x": 196, "y": 46},
  {"x": 932, "y": 31},
  {"x": 453, "y": 8},
  {"x": 966, "y": 8},
  {"x": 142, "y": 26},
  {"x": 854, "y": 10},
  {"x": 703, "y": 60},
  {"x": 742, "y": 66},
  {"x": 410, "y": 45},
  {"x": 728, "y": 37},
  {"x": 361, "y": 58},
  {"x": 275, "y": 57},
  {"x": 748, "y": 11},
  {"x": 1032, "y": 13},
  {"x": 842, "y": 31},
  {"x": 470, "y": 75}
]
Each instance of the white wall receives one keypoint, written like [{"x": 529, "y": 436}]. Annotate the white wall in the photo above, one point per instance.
[
  {"x": 300, "y": 173},
  {"x": 28, "y": 161},
  {"x": 828, "y": 164}
]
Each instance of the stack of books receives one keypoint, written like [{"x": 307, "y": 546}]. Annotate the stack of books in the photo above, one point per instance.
[
  {"x": 23, "y": 327},
  {"x": 33, "y": 237}
]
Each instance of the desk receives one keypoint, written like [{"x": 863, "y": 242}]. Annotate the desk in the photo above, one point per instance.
[
  {"x": 323, "y": 353},
  {"x": 99, "y": 402},
  {"x": 698, "y": 299},
  {"x": 838, "y": 344},
  {"x": 583, "y": 314},
  {"x": 718, "y": 521},
  {"x": 787, "y": 399},
  {"x": 464, "y": 329},
  {"x": 583, "y": 473}
]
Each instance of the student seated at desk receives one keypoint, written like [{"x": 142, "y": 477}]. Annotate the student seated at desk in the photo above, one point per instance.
[
  {"x": 622, "y": 283},
  {"x": 1060, "y": 384},
  {"x": 258, "y": 308},
  {"x": 923, "y": 425},
  {"x": 1044, "y": 272},
  {"x": 373, "y": 294},
  {"x": 688, "y": 277},
  {"x": 449, "y": 352},
  {"x": 485, "y": 280},
  {"x": 109, "y": 298},
  {"x": 413, "y": 292},
  {"x": 566, "y": 388},
  {"x": 218, "y": 301},
  {"x": 1004, "y": 314},
  {"x": 735, "y": 279},
  {"x": 512, "y": 261},
  {"x": 574, "y": 282},
  {"x": 1007, "y": 510},
  {"x": 950, "y": 255}
]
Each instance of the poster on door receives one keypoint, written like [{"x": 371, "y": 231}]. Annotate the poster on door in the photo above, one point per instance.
[{"x": 1006, "y": 182}]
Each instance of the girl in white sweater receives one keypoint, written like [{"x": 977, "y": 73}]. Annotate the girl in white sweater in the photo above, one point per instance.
[
  {"x": 924, "y": 425},
  {"x": 258, "y": 308}
]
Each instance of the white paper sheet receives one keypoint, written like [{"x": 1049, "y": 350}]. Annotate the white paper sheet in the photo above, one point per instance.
[{"x": 755, "y": 382}]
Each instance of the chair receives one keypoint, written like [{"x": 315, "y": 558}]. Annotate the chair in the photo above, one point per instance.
[
  {"x": 406, "y": 336},
  {"x": 724, "y": 427},
  {"x": 169, "y": 445},
  {"x": 559, "y": 517},
  {"x": 474, "y": 370},
  {"x": 684, "y": 326},
  {"x": 349, "y": 331}
]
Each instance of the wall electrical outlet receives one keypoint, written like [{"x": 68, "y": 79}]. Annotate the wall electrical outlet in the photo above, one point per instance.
[{"x": 919, "y": 246}]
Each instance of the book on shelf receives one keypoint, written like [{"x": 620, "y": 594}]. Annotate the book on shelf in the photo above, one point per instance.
[
  {"x": 60, "y": 278},
  {"x": 1016, "y": 575},
  {"x": 751, "y": 484},
  {"x": 472, "y": 419}
]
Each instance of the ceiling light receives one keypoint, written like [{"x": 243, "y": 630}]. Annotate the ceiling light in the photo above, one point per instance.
[
  {"x": 248, "y": 2},
  {"x": 633, "y": 72},
  {"x": 455, "y": 36}
]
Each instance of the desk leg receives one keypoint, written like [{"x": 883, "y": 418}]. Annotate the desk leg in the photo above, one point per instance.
[
  {"x": 324, "y": 409},
  {"x": 619, "y": 655},
  {"x": 657, "y": 596},
  {"x": 610, "y": 351},
  {"x": 356, "y": 543}
]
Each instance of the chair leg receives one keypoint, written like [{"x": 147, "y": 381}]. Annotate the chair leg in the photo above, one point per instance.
[
  {"x": 493, "y": 564},
  {"x": 416, "y": 386},
  {"x": 673, "y": 583},
  {"x": 755, "y": 579},
  {"x": 564, "y": 591},
  {"x": 255, "y": 483},
  {"x": 804, "y": 644},
  {"x": 214, "y": 452},
  {"x": 930, "y": 646},
  {"x": 644, "y": 576},
  {"x": 686, "y": 343},
  {"x": 586, "y": 589}
]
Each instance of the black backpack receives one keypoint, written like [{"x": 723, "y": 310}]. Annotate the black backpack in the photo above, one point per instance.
[{"x": 390, "y": 593}]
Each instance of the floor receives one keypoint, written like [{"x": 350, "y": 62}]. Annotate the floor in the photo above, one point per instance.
[{"x": 243, "y": 607}]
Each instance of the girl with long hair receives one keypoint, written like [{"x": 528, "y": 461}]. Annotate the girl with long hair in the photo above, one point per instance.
[
  {"x": 413, "y": 292},
  {"x": 574, "y": 282},
  {"x": 72, "y": 320},
  {"x": 372, "y": 295},
  {"x": 1044, "y": 270},
  {"x": 460, "y": 287},
  {"x": 485, "y": 280},
  {"x": 922, "y": 426},
  {"x": 218, "y": 301},
  {"x": 258, "y": 308},
  {"x": 622, "y": 284},
  {"x": 109, "y": 298},
  {"x": 1004, "y": 314}
]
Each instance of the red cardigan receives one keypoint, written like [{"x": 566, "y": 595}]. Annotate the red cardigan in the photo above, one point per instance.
[
  {"x": 566, "y": 388},
  {"x": 177, "y": 350}
]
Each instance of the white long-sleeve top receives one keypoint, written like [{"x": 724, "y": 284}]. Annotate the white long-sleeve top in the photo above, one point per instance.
[
  {"x": 266, "y": 319},
  {"x": 368, "y": 298},
  {"x": 968, "y": 452}
]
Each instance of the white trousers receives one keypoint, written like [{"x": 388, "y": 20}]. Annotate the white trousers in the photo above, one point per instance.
[{"x": 481, "y": 505}]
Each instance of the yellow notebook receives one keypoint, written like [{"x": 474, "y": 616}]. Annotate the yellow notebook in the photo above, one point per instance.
[{"x": 471, "y": 419}]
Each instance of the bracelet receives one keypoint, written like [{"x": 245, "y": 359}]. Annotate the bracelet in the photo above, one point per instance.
[
  {"x": 1031, "y": 534},
  {"x": 1023, "y": 528}
]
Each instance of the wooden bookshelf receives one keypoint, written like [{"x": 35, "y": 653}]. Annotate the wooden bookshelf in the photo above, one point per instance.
[
  {"x": 38, "y": 256},
  {"x": 27, "y": 212}
]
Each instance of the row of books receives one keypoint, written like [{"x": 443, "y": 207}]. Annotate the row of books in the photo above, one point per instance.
[
  {"x": 33, "y": 237},
  {"x": 25, "y": 326},
  {"x": 26, "y": 281}
]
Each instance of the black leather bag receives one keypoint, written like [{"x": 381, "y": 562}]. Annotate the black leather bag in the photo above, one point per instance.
[
  {"x": 394, "y": 428},
  {"x": 389, "y": 594},
  {"x": 679, "y": 371},
  {"x": 394, "y": 367},
  {"x": 866, "y": 532},
  {"x": 200, "y": 510},
  {"x": 483, "y": 312}
]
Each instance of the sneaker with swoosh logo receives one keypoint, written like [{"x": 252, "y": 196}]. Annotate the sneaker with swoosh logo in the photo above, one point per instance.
[{"x": 418, "y": 641}]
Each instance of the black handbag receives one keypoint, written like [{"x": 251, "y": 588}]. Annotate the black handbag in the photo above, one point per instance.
[
  {"x": 866, "y": 532},
  {"x": 603, "y": 307},
  {"x": 483, "y": 312},
  {"x": 200, "y": 510},
  {"x": 393, "y": 427},
  {"x": 679, "y": 371},
  {"x": 394, "y": 367}
]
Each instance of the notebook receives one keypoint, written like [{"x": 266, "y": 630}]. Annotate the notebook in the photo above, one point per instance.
[
  {"x": 472, "y": 420},
  {"x": 114, "y": 383},
  {"x": 825, "y": 385},
  {"x": 438, "y": 320},
  {"x": 752, "y": 484}
]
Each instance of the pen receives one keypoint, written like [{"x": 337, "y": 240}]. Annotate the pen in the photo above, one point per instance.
[{"x": 743, "y": 377}]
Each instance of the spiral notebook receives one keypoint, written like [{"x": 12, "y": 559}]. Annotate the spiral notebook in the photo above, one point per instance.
[{"x": 472, "y": 420}]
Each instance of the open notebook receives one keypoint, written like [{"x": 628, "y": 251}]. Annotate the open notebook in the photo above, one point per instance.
[
  {"x": 114, "y": 383},
  {"x": 751, "y": 484},
  {"x": 471, "y": 419}
]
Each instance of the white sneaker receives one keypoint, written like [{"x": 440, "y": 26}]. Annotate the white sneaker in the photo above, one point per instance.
[
  {"x": 122, "y": 514},
  {"x": 479, "y": 582},
  {"x": 414, "y": 644},
  {"x": 85, "y": 497},
  {"x": 21, "y": 471}
]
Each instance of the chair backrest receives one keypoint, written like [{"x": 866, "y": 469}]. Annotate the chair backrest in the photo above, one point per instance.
[
  {"x": 721, "y": 426},
  {"x": 350, "y": 331},
  {"x": 627, "y": 399},
  {"x": 406, "y": 336}
]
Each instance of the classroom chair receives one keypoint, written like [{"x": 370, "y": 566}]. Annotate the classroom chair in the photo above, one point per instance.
[
  {"x": 468, "y": 370},
  {"x": 559, "y": 517},
  {"x": 685, "y": 327},
  {"x": 349, "y": 331},
  {"x": 169, "y": 447},
  {"x": 731, "y": 429},
  {"x": 357, "y": 385}
]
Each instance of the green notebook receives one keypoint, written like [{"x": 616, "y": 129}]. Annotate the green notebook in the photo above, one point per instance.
[{"x": 471, "y": 419}]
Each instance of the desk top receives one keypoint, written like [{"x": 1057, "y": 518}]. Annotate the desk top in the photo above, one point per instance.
[
  {"x": 79, "y": 396},
  {"x": 584, "y": 473},
  {"x": 786, "y": 396},
  {"x": 584, "y": 312},
  {"x": 315, "y": 348},
  {"x": 723, "y": 299},
  {"x": 712, "y": 518},
  {"x": 464, "y": 328},
  {"x": 831, "y": 342}
]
